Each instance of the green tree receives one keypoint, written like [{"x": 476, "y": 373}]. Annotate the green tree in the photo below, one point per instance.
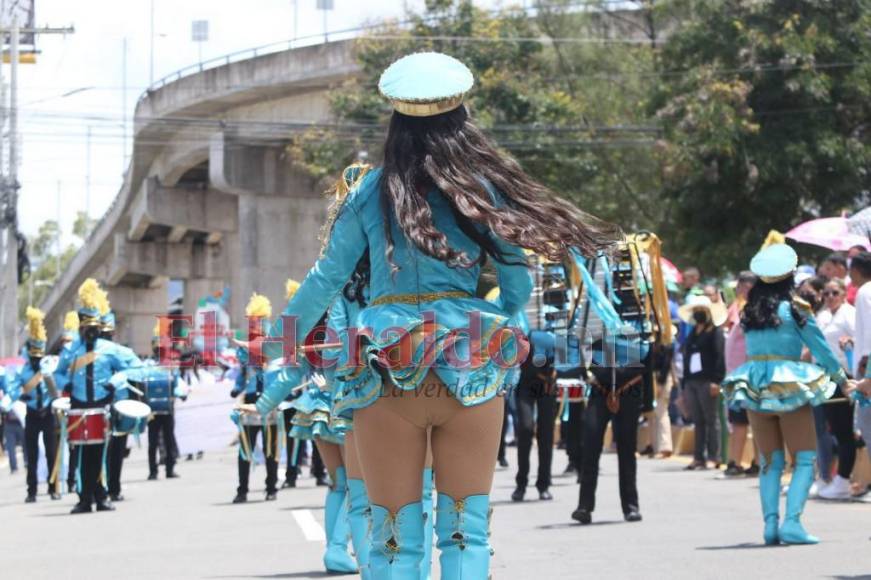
[
  {"x": 549, "y": 88},
  {"x": 83, "y": 225},
  {"x": 45, "y": 263},
  {"x": 766, "y": 109}
]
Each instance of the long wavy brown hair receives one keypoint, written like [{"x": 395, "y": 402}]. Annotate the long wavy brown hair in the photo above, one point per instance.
[{"x": 449, "y": 152}]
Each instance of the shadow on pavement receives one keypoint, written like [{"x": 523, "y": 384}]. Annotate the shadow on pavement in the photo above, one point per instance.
[
  {"x": 742, "y": 546},
  {"x": 311, "y": 574},
  {"x": 568, "y": 525}
]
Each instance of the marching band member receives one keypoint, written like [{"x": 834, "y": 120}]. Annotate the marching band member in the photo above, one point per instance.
[
  {"x": 118, "y": 442},
  {"x": 291, "y": 471},
  {"x": 68, "y": 338},
  {"x": 444, "y": 202},
  {"x": 90, "y": 371},
  {"x": 30, "y": 386},
  {"x": 161, "y": 387},
  {"x": 250, "y": 382},
  {"x": 778, "y": 389}
]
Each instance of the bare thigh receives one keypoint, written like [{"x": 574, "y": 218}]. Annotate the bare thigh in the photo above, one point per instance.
[
  {"x": 391, "y": 447},
  {"x": 464, "y": 449},
  {"x": 352, "y": 459},
  {"x": 799, "y": 429},
  {"x": 332, "y": 456},
  {"x": 766, "y": 432}
]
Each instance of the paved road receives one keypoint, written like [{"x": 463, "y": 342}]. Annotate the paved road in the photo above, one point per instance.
[{"x": 697, "y": 525}]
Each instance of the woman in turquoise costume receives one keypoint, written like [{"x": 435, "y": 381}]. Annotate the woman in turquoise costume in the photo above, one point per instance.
[
  {"x": 778, "y": 389},
  {"x": 434, "y": 357}
]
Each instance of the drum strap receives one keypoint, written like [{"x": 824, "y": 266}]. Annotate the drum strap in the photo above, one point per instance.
[
  {"x": 86, "y": 361},
  {"x": 83, "y": 361}
]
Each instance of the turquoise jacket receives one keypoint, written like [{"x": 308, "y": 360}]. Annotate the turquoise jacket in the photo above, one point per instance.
[
  {"x": 109, "y": 379},
  {"x": 38, "y": 398},
  {"x": 393, "y": 296},
  {"x": 774, "y": 379},
  {"x": 360, "y": 224}
]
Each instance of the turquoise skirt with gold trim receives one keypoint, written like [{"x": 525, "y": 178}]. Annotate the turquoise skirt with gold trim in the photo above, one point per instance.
[
  {"x": 777, "y": 386},
  {"x": 313, "y": 418},
  {"x": 474, "y": 366}
]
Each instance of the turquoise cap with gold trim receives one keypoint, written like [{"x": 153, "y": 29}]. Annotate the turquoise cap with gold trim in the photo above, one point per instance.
[
  {"x": 774, "y": 263},
  {"x": 426, "y": 84}
]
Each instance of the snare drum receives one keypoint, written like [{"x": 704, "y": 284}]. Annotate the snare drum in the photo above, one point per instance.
[
  {"x": 87, "y": 426},
  {"x": 129, "y": 417},
  {"x": 574, "y": 389},
  {"x": 256, "y": 419},
  {"x": 61, "y": 405},
  {"x": 158, "y": 395}
]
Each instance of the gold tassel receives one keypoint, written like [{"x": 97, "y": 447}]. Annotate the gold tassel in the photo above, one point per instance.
[{"x": 351, "y": 178}]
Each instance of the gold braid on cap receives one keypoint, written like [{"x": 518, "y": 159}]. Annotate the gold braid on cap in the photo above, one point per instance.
[{"x": 340, "y": 192}]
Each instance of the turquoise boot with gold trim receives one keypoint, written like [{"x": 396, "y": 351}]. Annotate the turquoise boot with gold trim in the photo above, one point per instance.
[
  {"x": 396, "y": 551},
  {"x": 463, "y": 529}
]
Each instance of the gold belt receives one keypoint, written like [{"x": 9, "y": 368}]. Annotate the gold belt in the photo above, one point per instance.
[
  {"x": 418, "y": 298},
  {"x": 770, "y": 357}
]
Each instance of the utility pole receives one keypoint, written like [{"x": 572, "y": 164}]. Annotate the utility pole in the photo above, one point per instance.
[
  {"x": 88, "y": 174},
  {"x": 9, "y": 306},
  {"x": 151, "y": 58},
  {"x": 57, "y": 235},
  {"x": 9, "y": 185},
  {"x": 124, "y": 106}
]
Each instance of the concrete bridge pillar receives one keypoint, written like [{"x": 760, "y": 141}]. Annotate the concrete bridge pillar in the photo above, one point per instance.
[
  {"x": 279, "y": 216},
  {"x": 136, "y": 311}
]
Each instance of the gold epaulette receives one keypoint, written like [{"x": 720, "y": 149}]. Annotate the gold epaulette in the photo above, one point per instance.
[{"x": 802, "y": 304}]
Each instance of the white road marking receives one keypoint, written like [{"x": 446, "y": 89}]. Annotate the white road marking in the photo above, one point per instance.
[{"x": 311, "y": 529}]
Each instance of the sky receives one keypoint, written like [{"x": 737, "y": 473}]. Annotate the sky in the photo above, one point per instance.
[{"x": 78, "y": 83}]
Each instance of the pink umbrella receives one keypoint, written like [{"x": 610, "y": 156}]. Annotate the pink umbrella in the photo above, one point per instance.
[
  {"x": 831, "y": 233},
  {"x": 670, "y": 271}
]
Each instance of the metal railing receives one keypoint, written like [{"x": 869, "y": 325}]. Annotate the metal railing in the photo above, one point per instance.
[{"x": 271, "y": 48}]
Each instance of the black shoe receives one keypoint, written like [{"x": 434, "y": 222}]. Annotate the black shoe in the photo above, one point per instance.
[
  {"x": 240, "y": 498},
  {"x": 503, "y": 462},
  {"x": 633, "y": 515},
  {"x": 648, "y": 451},
  {"x": 288, "y": 483},
  {"x": 31, "y": 498},
  {"x": 199, "y": 455},
  {"x": 732, "y": 470},
  {"x": 271, "y": 496},
  {"x": 71, "y": 487},
  {"x": 54, "y": 495},
  {"x": 582, "y": 516},
  {"x": 544, "y": 495},
  {"x": 753, "y": 470},
  {"x": 81, "y": 508},
  {"x": 105, "y": 506},
  {"x": 322, "y": 482},
  {"x": 518, "y": 494},
  {"x": 570, "y": 468},
  {"x": 696, "y": 466},
  {"x": 115, "y": 497},
  {"x": 170, "y": 474},
  {"x": 152, "y": 476}
]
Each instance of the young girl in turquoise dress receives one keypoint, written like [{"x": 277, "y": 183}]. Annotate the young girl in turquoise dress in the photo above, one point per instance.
[
  {"x": 434, "y": 357},
  {"x": 778, "y": 389}
]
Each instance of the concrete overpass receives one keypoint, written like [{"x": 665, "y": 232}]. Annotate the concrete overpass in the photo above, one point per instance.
[{"x": 210, "y": 197}]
